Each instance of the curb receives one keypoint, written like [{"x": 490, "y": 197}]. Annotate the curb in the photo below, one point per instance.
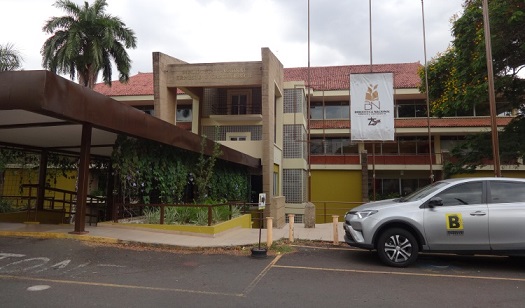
[{"x": 53, "y": 235}]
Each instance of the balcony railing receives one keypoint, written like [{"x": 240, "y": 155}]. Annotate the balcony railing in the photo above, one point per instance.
[
  {"x": 236, "y": 110},
  {"x": 379, "y": 159}
]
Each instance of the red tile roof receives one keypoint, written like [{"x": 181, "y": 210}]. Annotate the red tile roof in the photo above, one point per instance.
[
  {"x": 140, "y": 84},
  {"x": 321, "y": 78},
  {"x": 418, "y": 122},
  {"x": 338, "y": 77}
]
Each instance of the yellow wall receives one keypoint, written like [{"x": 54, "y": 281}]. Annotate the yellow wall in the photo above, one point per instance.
[
  {"x": 336, "y": 185},
  {"x": 13, "y": 178}
]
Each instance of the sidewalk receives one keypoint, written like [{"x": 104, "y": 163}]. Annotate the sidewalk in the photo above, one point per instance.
[{"x": 112, "y": 234}]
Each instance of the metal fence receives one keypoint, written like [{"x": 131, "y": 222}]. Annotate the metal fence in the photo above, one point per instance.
[{"x": 324, "y": 210}]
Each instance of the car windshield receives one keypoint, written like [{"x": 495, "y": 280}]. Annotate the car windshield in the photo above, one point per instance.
[{"x": 423, "y": 192}]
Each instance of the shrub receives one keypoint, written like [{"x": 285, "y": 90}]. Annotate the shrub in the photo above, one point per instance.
[{"x": 6, "y": 206}]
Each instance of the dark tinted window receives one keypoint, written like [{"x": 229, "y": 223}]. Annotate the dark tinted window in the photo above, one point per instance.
[
  {"x": 507, "y": 192},
  {"x": 462, "y": 194}
]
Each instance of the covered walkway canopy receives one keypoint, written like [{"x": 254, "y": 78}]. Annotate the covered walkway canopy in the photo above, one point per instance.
[{"x": 42, "y": 111}]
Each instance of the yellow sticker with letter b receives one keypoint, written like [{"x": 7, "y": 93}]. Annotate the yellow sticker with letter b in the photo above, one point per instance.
[{"x": 454, "y": 224}]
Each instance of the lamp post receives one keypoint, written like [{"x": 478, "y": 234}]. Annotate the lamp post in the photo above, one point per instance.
[
  {"x": 431, "y": 176},
  {"x": 492, "y": 98}
]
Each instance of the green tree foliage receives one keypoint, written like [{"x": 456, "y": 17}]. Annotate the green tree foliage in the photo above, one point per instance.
[
  {"x": 86, "y": 41},
  {"x": 204, "y": 169},
  {"x": 155, "y": 173},
  {"x": 458, "y": 79},
  {"x": 10, "y": 58}
]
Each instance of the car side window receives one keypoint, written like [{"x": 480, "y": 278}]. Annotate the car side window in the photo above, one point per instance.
[
  {"x": 506, "y": 192},
  {"x": 462, "y": 194}
]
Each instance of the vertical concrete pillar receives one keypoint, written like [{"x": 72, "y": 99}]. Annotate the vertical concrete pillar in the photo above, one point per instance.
[
  {"x": 269, "y": 231},
  {"x": 309, "y": 215},
  {"x": 335, "y": 219},
  {"x": 291, "y": 219}
]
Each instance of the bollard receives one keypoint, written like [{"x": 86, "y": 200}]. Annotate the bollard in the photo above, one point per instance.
[
  {"x": 291, "y": 222},
  {"x": 336, "y": 229},
  {"x": 269, "y": 231}
]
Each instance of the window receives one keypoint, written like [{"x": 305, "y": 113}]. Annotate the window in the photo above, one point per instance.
[
  {"x": 330, "y": 110},
  {"x": 411, "y": 108},
  {"x": 316, "y": 111},
  {"x": 239, "y": 101},
  {"x": 337, "y": 110},
  {"x": 387, "y": 188},
  {"x": 462, "y": 194},
  {"x": 413, "y": 145},
  {"x": 402, "y": 145},
  {"x": 450, "y": 142},
  {"x": 238, "y": 136},
  {"x": 184, "y": 113},
  {"x": 332, "y": 146},
  {"x": 507, "y": 192},
  {"x": 382, "y": 148}
]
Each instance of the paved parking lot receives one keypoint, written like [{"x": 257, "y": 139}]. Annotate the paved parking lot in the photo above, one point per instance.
[{"x": 59, "y": 273}]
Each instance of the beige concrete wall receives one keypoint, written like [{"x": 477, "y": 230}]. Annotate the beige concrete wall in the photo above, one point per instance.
[
  {"x": 252, "y": 148},
  {"x": 164, "y": 97},
  {"x": 272, "y": 85},
  {"x": 276, "y": 209},
  {"x": 171, "y": 73},
  {"x": 214, "y": 74}
]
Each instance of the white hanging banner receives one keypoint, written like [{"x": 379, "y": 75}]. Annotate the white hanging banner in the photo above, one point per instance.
[{"x": 372, "y": 106}]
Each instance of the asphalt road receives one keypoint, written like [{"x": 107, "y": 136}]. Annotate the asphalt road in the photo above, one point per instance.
[{"x": 67, "y": 273}]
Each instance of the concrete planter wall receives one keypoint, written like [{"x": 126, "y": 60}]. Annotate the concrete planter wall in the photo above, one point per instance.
[{"x": 243, "y": 221}]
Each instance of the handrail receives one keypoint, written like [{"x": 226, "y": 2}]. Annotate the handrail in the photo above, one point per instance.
[
  {"x": 324, "y": 210},
  {"x": 68, "y": 199}
]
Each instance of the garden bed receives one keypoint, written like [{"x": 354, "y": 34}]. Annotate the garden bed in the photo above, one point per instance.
[{"x": 243, "y": 221}]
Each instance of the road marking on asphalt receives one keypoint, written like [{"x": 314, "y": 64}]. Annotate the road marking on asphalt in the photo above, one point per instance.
[
  {"x": 38, "y": 287},
  {"x": 123, "y": 286},
  {"x": 252, "y": 285},
  {"x": 399, "y": 273},
  {"x": 328, "y": 248}
]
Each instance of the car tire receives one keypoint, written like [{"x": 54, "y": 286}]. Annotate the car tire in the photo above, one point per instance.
[{"x": 397, "y": 247}]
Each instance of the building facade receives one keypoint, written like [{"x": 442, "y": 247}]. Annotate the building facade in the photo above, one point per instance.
[{"x": 297, "y": 121}]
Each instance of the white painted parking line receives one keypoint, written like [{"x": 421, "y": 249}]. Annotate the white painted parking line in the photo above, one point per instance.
[{"x": 398, "y": 273}]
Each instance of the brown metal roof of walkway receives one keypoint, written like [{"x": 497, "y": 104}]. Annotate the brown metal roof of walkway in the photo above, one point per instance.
[{"x": 43, "y": 111}]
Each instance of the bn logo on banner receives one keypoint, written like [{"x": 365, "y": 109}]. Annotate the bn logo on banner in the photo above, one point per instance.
[{"x": 372, "y": 106}]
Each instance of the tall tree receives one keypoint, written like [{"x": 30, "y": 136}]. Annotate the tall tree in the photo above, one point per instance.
[
  {"x": 10, "y": 58},
  {"x": 458, "y": 79},
  {"x": 86, "y": 41}
]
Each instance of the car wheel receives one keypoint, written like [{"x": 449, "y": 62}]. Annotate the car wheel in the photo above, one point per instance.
[{"x": 397, "y": 247}]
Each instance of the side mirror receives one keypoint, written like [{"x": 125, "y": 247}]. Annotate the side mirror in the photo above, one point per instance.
[{"x": 436, "y": 201}]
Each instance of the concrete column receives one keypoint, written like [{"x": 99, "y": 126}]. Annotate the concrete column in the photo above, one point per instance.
[
  {"x": 309, "y": 215},
  {"x": 269, "y": 231},
  {"x": 291, "y": 219},
  {"x": 335, "y": 219}
]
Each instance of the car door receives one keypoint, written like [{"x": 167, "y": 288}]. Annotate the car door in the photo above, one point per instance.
[
  {"x": 507, "y": 215},
  {"x": 461, "y": 223}
]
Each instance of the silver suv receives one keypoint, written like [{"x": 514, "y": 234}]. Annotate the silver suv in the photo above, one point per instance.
[{"x": 467, "y": 216}]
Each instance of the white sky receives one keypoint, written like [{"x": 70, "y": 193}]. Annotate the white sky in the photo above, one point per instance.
[{"x": 200, "y": 31}]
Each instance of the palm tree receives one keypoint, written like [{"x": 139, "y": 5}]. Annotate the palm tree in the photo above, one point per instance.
[
  {"x": 10, "y": 58},
  {"x": 85, "y": 41}
]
